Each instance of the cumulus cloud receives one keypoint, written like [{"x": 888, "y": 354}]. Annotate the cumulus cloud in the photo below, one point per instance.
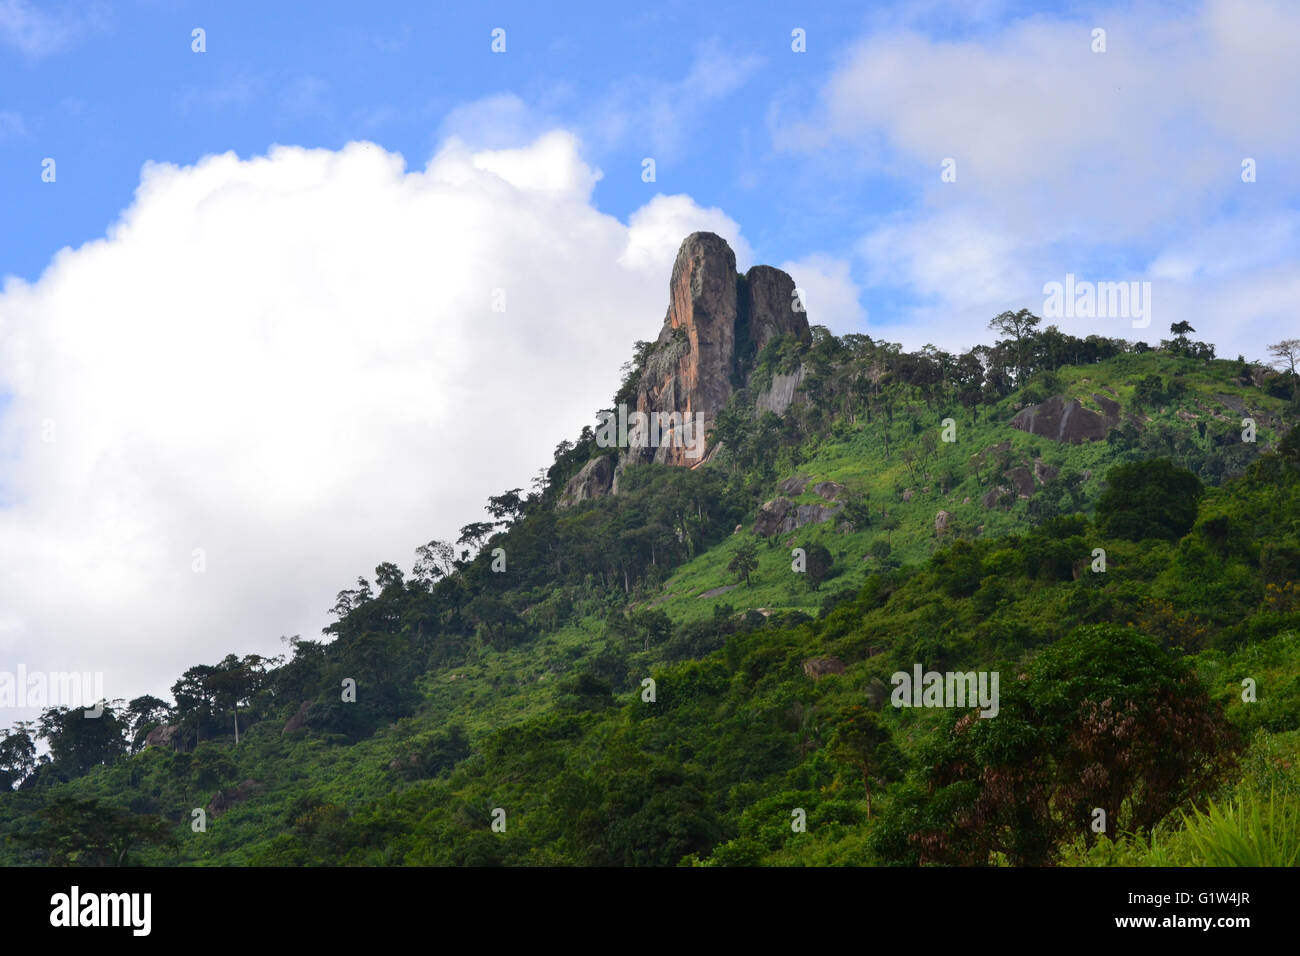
[
  {"x": 828, "y": 292},
  {"x": 658, "y": 227},
  {"x": 287, "y": 369},
  {"x": 1120, "y": 165}
]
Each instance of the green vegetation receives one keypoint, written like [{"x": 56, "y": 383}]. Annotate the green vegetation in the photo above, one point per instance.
[{"x": 649, "y": 682}]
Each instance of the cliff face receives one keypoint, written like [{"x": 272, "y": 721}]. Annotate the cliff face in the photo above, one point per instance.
[{"x": 716, "y": 324}]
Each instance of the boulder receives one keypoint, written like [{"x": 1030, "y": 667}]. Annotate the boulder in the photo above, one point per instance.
[
  {"x": 781, "y": 515},
  {"x": 795, "y": 485},
  {"x": 225, "y": 799},
  {"x": 830, "y": 490},
  {"x": 772, "y": 517},
  {"x": 941, "y": 521},
  {"x": 1021, "y": 480},
  {"x": 1044, "y": 472},
  {"x": 164, "y": 735},
  {"x": 819, "y": 667},
  {"x": 991, "y": 497},
  {"x": 767, "y": 307},
  {"x": 298, "y": 720},
  {"x": 1109, "y": 407},
  {"x": 594, "y": 480},
  {"x": 1061, "y": 420},
  {"x": 815, "y": 514}
]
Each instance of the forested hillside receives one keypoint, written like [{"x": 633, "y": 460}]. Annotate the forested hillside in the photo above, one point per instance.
[{"x": 639, "y": 662}]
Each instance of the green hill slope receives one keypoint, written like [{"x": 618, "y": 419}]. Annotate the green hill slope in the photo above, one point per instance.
[{"x": 599, "y": 685}]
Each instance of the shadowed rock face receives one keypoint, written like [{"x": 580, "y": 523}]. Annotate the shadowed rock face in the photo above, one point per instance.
[
  {"x": 1062, "y": 421},
  {"x": 594, "y": 480},
  {"x": 768, "y": 306},
  {"x": 716, "y": 323},
  {"x": 781, "y": 515}
]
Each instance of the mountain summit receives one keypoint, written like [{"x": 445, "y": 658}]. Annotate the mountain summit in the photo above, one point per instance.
[{"x": 717, "y": 322}]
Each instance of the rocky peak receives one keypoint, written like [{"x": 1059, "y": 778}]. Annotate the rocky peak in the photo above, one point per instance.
[
  {"x": 717, "y": 322},
  {"x": 767, "y": 306}
]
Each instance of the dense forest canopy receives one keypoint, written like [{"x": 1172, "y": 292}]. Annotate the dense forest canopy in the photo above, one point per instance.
[{"x": 634, "y": 678}]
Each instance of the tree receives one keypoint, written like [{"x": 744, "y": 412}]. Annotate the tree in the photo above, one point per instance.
[
  {"x": 78, "y": 742},
  {"x": 818, "y": 565},
  {"x": 1287, "y": 351},
  {"x": 1181, "y": 328},
  {"x": 1148, "y": 499},
  {"x": 496, "y": 622},
  {"x": 142, "y": 715},
  {"x": 434, "y": 560},
  {"x": 889, "y": 524},
  {"x": 1105, "y": 718},
  {"x": 87, "y": 833},
  {"x": 506, "y": 507},
  {"x": 1149, "y": 390},
  {"x": 474, "y": 533},
  {"x": 1018, "y": 326},
  {"x": 655, "y": 626},
  {"x": 17, "y": 755},
  {"x": 745, "y": 561},
  {"x": 235, "y": 680},
  {"x": 863, "y": 742}
]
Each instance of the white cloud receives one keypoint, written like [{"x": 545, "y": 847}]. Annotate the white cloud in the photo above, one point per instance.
[
  {"x": 291, "y": 362},
  {"x": 830, "y": 295},
  {"x": 1123, "y": 165},
  {"x": 658, "y": 227},
  {"x": 40, "y": 30},
  {"x": 494, "y": 122}
]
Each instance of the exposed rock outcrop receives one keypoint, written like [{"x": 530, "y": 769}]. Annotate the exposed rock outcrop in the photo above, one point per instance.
[
  {"x": 225, "y": 799},
  {"x": 819, "y": 667},
  {"x": 717, "y": 322},
  {"x": 781, "y": 515},
  {"x": 1044, "y": 472},
  {"x": 1022, "y": 481},
  {"x": 993, "y": 496},
  {"x": 830, "y": 490},
  {"x": 298, "y": 720},
  {"x": 781, "y": 393},
  {"x": 1061, "y": 420},
  {"x": 795, "y": 485},
  {"x": 165, "y": 735},
  {"x": 594, "y": 480}
]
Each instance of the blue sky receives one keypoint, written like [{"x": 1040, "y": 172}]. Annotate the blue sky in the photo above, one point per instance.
[
  {"x": 245, "y": 329},
  {"x": 103, "y": 88},
  {"x": 713, "y": 92}
]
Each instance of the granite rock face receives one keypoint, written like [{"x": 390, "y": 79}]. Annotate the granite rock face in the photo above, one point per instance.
[
  {"x": 717, "y": 322},
  {"x": 594, "y": 480},
  {"x": 1063, "y": 421}
]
